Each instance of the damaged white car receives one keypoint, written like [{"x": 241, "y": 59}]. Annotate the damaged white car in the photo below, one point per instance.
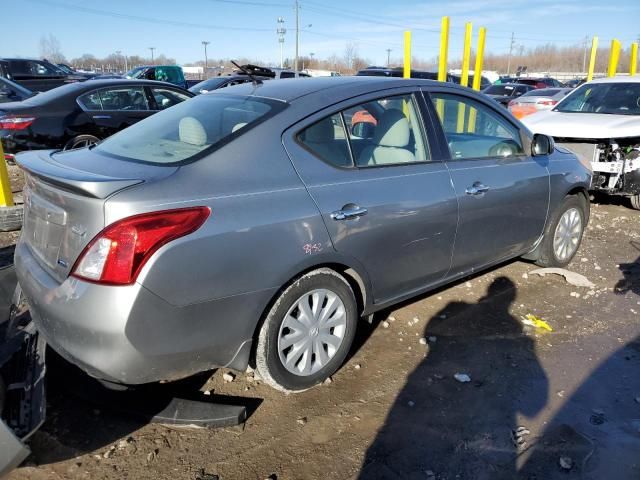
[{"x": 600, "y": 122}]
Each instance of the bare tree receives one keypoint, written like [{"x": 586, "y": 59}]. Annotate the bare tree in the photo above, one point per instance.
[
  {"x": 350, "y": 53},
  {"x": 50, "y": 49}
]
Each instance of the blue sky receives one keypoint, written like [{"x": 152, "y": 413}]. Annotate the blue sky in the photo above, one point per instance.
[{"x": 246, "y": 28}]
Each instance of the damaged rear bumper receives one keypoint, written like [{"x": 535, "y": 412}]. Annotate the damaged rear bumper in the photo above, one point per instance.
[{"x": 22, "y": 395}]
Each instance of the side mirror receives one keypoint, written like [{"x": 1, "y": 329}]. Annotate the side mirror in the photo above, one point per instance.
[
  {"x": 542, "y": 145},
  {"x": 363, "y": 130}
]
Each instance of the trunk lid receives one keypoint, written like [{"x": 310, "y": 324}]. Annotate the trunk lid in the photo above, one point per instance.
[{"x": 64, "y": 197}]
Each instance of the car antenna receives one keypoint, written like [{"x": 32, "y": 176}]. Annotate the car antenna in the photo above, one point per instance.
[{"x": 247, "y": 72}]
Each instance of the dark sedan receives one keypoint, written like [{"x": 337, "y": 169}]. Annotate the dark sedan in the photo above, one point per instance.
[
  {"x": 82, "y": 114},
  {"x": 221, "y": 82},
  {"x": 504, "y": 93},
  {"x": 543, "y": 82}
]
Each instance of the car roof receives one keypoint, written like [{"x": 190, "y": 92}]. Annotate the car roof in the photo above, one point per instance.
[
  {"x": 291, "y": 89},
  {"x": 619, "y": 79}
]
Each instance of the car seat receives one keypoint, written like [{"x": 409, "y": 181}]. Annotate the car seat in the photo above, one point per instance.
[
  {"x": 320, "y": 138},
  {"x": 191, "y": 131},
  {"x": 390, "y": 141}
]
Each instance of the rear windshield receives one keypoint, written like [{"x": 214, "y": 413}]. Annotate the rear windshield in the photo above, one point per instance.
[
  {"x": 190, "y": 129},
  {"x": 543, "y": 92},
  {"x": 499, "y": 90}
]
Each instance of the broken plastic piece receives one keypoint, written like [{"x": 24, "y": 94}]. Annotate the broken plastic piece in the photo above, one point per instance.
[
  {"x": 534, "y": 321},
  {"x": 571, "y": 277}
]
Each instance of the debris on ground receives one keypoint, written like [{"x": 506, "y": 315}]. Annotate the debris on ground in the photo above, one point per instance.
[
  {"x": 536, "y": 322},
  {"x": 357, "y": 366},
  {"x": 202, "y": 475},
  {"x": 566, "y": 463},
  {"x": 411, "y": 403},
  {"x": 302, "y": 421},
  {"x": 462, "y": 377},
  {"x": 423, "y": 341},
  {"x": 518, "y": 437},
  {"x": 385, "y": 324},
  {"x": 327, "y": 381},
  {"x": 228, "y": 377},
  {"x": 392, "y": 319},
  {"x": 109, "y": 452},
  {"x": 572, "y": 278}
]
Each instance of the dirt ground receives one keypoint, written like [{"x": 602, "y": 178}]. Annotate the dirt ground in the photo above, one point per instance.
[{"x": 539, "y": 404}]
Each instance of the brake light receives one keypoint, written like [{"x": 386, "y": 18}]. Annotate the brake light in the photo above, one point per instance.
[
  {"x": 118, "y": 253},
  {"x": 15, "y": 123},
  {"x": 546, "y": 102}
]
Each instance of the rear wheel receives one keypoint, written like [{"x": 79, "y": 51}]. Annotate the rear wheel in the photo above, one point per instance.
[
  {"x": 563, "y": 234},
  {"x": 81, "y": 141},
  {"x": 635, "y": 201},
  {"x": 308, "y": 332}
]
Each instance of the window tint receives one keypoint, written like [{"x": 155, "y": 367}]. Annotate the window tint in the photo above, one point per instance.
[
  {"x": 125, "y": 98},
  {"x": 189, "y": 129},
  {"x": 287, "y": 75},
  {"x": 474, "y": 130},
  {"x": 168, "y": 74},
  {"x": 328, "y": 140},
  {"x": 32, "y": 67},
  {"x": 90, "y": 101},
  {"x": 166, "y": 97},
  {"x": 386, "y": 132}
]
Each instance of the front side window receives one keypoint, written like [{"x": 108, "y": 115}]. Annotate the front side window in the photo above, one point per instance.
[
  {"x": 124, "y": 98},
  {"x": 189, "y": 129},
  {"x": 474, "y": 130},
  {"x": 166, "y": 97},
  {"x": 387, "y": 131}
]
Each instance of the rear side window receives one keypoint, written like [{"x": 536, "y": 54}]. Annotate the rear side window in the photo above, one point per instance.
[
  {"x": 475, "y": 131},
  {"x": 90, "y": 101},
  {"x": 387, "y": 131},
  {"x": 190, "y": 129}
]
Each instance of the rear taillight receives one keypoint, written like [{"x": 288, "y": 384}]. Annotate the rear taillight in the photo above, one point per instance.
[
  {"x": 118, "y": 253},
  {"x": 12, "y": 122},
  {"x": 548, "y": 103}
]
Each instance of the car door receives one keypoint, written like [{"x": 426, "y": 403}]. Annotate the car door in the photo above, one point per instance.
[
  {"x": 503, "y": 192},
  {"x": 115, "y": 108},
  {"x": 387, "y": 203}
]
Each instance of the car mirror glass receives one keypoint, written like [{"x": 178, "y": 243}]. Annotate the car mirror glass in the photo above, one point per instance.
[{"x": 541, "y": 145}]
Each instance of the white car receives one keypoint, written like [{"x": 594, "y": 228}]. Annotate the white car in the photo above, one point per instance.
[{"x": 600, "y": 122}]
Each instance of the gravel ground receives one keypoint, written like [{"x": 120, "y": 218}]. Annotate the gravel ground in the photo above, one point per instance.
[{"x": 539, "y": 404}]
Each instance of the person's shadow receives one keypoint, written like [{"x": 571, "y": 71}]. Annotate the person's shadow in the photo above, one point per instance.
[{"x": 463, "y": 430}]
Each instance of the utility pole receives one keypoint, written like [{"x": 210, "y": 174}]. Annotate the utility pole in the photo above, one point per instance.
[
  {"x": 152, "y": 49},
  {"x": 206, "y": 60},
  {"x": 295, "y": 61},
  {"x": 511, "y": 45},
  {"x": 119, "y": 53},
  {"x": 388, "y": 56},
  {"x": 281, "y": 31},
  {"x": 584, "y": 56}
]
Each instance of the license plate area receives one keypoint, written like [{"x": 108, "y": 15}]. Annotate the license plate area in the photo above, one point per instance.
[{"x": 43, "y": 228}]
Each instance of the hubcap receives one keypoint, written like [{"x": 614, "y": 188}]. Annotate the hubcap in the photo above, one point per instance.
[
  {"x": 312, "y": 332},
  {"x": 567, "y": 235}
]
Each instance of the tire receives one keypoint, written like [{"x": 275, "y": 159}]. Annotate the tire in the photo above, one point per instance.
[
  {"x": 635, "y": 201},
  {"x": 570, "y": 210},
  {"x": 81, "y": 141},
  {"x": 328, "y": 346}
]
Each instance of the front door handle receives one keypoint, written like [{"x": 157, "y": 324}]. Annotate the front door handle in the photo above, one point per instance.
[
  {"x": 348, "y": 212},
  {"x": 477, "y": 188},
  {"x": 101, "y": 117}
]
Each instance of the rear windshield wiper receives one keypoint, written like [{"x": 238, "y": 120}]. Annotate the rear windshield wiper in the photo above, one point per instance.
[{"x": 256, "y": 81}]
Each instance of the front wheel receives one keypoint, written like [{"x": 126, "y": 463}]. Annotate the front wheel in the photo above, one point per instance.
[
  {"x": 563, "y": 234},
  {"x": 635, "y": 201},
  {"x": 308, "y": 332}
]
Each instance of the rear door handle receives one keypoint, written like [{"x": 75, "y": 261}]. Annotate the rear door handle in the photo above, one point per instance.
[
  {"x": 477, "y": 188},
  {"x": 348, "y": 213},
  {"x": 99, "y": 117}
]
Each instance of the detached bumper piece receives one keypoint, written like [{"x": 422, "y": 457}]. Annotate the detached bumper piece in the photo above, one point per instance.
[{"x": 22, "y": 395}]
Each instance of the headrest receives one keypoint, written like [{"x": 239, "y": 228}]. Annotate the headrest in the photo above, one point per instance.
[
  {"x": 238, "y": 126},
  {"x": 191, "y": 131},
  {"x": 392, "y": 129},
  {"x": 320, "y": 132}
]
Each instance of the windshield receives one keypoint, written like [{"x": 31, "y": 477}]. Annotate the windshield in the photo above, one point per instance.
[
  {"x": 189, "y": 129},
  {"x": 135, "y": 73},
  {"x": 606, "y": 98},
  {"x": 500, "y": 90}
]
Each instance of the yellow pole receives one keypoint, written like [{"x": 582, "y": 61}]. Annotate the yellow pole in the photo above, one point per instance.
[
  {"x": 614, "y": 57},
  {"x": 477, "y": 75},
  {"x": 6, "y": 196},
  {"x": 444, "y": 50},
  {"x": 464, "y": 74},
  {"x": 407, "y": 54},
  {"x": 592, "y": 59},
  {"x": 634, "y": 59}
]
